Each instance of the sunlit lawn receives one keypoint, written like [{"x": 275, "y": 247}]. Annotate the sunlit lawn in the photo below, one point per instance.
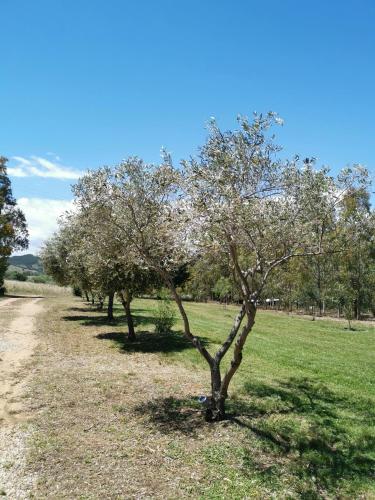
[
  {"x": 306, "y": 387},
  {"x": 283, "y": 346},
  {"x": 301, "y": 408}
]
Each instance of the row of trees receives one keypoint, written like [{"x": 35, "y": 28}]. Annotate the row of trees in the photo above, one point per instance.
[
  {"x": 13, "y": 230},
  {"x": 236, "y": 206}
]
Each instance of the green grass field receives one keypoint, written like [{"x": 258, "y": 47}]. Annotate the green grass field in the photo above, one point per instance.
[
  {"x": 306, "y": 389},
  {"x": 301, "y": 412}
]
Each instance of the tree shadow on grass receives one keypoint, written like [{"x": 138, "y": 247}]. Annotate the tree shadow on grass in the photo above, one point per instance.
[
  {"x": 174, "y": 415},
  {"x": 308, "y": 421},
  {"x": 86, "y": 308},
  {"x": 102, "y": 319},
  {"x": 149, "y": 341},
  {"x": 298, "y": 421},
  {"x": 10, "y": 296}
]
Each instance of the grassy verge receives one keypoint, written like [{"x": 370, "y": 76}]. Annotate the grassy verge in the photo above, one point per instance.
[
  {"x": 28, "y": 288},
  {"x": 121, "y": 420}
]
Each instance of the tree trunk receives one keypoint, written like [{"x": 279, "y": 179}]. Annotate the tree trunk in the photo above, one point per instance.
[
  {"x": 87, "y": 296},
  {"x": 110, "y": 305},
  {"x": 101, "y": 303},
  {"x": 92, "y": 299},
  {"x": 194, "y": 340},
  {"x": 219, "y": 386},
  {"x": 357, "y": 309},
  {"x": 125, "y": 301},
  {"x": 320, "y": 303},
  {"x": 216, "y": 405},
  {"x": 129, "y": 319}
]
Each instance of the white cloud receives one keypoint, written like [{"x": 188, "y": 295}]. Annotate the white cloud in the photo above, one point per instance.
[
  {"x": 41, "y": 217},
  {"x": 17, "y": 172},
  {"x": 41, "y": 167}
]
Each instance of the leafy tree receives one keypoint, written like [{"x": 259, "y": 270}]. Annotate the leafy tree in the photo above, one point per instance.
[
  {"x": 260, "y": 212},
  {"x": 238, "y": 200},
  {"x": 357, "y": 262},
  {"x": 111, "y": 265},
  {"x": 222, "y": 289},
  {"x": 13, "y": 230}
]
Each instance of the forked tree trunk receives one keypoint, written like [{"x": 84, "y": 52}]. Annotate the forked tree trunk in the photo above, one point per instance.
[
  {"x": 215, "y": 405},
  {"x": 219, "y": 386},
  {"x": 110, "y": 305},
  {"x": 125, "y": 301}
]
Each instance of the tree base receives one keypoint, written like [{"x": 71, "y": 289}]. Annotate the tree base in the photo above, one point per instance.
[{"x": 214, "y": 415}]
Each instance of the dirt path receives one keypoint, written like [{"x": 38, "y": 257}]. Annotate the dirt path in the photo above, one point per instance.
[
  {"x": 17, "y": 343},
  {"x": 6, "y": 302}
]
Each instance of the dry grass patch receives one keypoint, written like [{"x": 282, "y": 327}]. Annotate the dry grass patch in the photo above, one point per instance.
[
  {"x": 28, "y": 288},
  {"x": 97, "y": 432}
]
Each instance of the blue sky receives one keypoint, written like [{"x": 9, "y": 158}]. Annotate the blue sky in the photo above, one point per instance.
[{"x": 85, "y": 83}]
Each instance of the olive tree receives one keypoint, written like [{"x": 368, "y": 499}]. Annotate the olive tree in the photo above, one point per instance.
[
  {"x": 64, "y": 259},
  {"x": 238, "y": 201},
  {"x": 111, "y": 264}
]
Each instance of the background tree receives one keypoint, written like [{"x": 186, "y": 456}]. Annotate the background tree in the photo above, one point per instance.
[
  {"x": 111, "y": 266},
  {"x": 13, "y": 230},
  {"x": 356, "y": 264}
]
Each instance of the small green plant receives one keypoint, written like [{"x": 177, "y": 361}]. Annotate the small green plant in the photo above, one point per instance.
[
  {"x": 349, "y": 314},
  {"x": 165, "y": 316},
  {"x": 77, "y": 292}
]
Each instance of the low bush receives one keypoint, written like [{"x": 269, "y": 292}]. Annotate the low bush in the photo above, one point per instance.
[
  {"x": 40, "y": 279},
  {"x": 165, "y": 316}
]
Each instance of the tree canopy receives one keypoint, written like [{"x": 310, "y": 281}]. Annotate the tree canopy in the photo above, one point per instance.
[{"x": 13, "y": 230}]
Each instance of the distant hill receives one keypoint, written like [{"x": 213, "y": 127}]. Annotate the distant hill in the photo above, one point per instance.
[{"x": 29, "y": 264}]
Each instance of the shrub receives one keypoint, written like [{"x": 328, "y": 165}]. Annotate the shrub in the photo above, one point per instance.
[
  {"x": 19, "y": 276},
  {"x": 165, "y": 314},
  {"x": 77, "y": 292},
  {"x": 39, "y": 279}
]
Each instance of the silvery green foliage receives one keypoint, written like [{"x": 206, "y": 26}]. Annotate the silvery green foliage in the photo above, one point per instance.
[
  {"x": 105, "y": 247},
  {"x": 250, "y": 203},
  {"x": 148, "y": 209}
]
